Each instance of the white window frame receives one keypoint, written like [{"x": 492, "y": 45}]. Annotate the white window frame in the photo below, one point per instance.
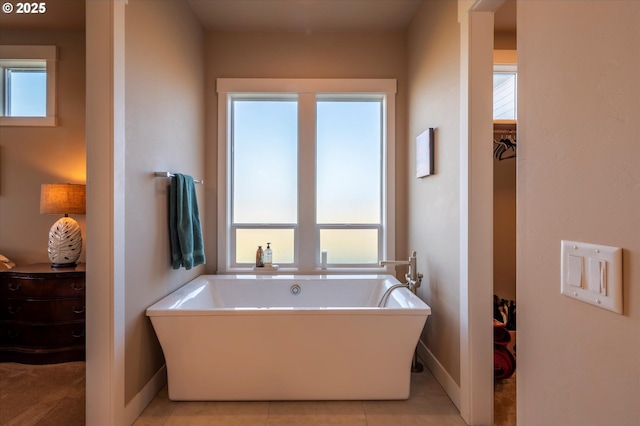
[
  {"x": 307, "y": 231},
  {"x": 24, "y": 56},
  {"x": 506, "y": 61}
]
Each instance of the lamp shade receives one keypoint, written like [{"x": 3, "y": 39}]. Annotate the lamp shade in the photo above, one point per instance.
[{"x": 62, "y": 198}]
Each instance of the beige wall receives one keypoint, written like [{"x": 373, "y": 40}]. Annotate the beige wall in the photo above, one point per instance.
[
  {"x": 578, "y": 179},
  {"x": 504, "y": 228},
  {"x": 306, "y": 55},
  {"x": 31, "y": 156},
  {"x": 434, "y": 201},
  {"x": 504, "y": 204},
  {"x": 164, "y": 80}
]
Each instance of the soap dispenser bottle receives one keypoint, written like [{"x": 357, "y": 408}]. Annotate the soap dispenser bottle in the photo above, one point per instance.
[
  {"x": 268, "y": 256},
  {"x": 259, "y": 257}
]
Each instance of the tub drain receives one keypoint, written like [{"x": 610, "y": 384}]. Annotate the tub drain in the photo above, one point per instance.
[{"x": 295, "y": 289}]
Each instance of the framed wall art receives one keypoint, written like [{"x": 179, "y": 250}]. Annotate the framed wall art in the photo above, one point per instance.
[{"x": 424, "y": 153}]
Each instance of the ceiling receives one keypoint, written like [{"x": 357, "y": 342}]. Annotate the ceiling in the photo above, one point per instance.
[
  {"x": 305, "y": 15},
  {"x": 267, "y": 15}
]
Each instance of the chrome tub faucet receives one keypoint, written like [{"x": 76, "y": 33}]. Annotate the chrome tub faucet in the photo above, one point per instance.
[{"x": 414, "y": 279}]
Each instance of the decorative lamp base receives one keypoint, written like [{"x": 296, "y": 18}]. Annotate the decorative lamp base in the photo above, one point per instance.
[
  {"x": 65, "y": 243},
  {"x": 64, "y": 265}
]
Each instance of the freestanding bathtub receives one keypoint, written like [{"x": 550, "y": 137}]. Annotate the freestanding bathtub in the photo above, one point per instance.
[{"x": 288, "y": 337}]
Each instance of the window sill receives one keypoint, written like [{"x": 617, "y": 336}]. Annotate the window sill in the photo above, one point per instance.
[
  {"x": 28, "y": 121},
  {"x": 317, "y": 271}
]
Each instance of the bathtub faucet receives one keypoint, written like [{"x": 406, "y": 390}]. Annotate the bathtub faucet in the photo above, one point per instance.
[{"x": 414, "y": 279}]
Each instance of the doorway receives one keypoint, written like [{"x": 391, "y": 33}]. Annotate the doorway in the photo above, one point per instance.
[{"x": 504, "y": 213}]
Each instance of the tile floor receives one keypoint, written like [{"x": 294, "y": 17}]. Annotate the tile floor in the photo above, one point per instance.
[{"x": 428, "y": 405}]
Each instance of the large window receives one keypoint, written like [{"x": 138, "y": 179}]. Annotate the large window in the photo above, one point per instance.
[
  {"x": 264, "y": 176},
  {"x": 306, "y": 166}
]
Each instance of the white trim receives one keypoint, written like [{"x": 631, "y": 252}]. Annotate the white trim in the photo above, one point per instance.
[
  {"x": 29, "y": 121},
  {"x": 47, "y": 53},
  {"x": 440, "y": 373},
  {"x": 224, "y": 210},
  {"x": 139, "y": 402},
  {"x": 302, "y": 85},
  {"x": 389, "y": 168},
  {"x": 105, "y": 50},
  {"x": 306, "y": 232},
  {"x": 476, "y": 209},
  {"x": 306, "y": 91}
]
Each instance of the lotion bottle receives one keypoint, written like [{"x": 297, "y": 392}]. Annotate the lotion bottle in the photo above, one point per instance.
[
  {"x": 268, "y": 256},
  {"x": 259, "y": 257}
]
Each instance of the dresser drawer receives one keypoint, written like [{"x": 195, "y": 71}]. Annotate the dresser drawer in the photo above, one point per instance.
[
  {"x": 42, "y": 314},
  {"x": 41, "y": 336},
  {"x": 21, "y": 287},
  {"x": 42, "y": 311}
]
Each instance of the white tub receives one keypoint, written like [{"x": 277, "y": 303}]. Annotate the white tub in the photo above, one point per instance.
[{"x": 230, "y": 338}]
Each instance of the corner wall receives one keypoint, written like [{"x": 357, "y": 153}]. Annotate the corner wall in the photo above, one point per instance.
[
  {"x": 434, "y": 201},
  {"x": 578, "y": 179},
  {"x": 164, "y": 81},
  {"x": 31, "y": 156}
]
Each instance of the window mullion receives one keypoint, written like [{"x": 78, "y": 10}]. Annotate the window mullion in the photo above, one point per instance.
[{"x": 306, "y": 249}]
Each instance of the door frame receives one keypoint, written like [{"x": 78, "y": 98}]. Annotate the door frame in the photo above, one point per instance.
[{"x": 476, "y": 19}]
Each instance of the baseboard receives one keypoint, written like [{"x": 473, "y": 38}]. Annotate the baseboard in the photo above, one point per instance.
[
  {"x": 448, "y": 384},
  {"x": 159, "y": 380},
  {"x": 137, "y": 405}
]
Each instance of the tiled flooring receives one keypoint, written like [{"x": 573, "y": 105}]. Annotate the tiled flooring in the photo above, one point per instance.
[{"x": 428, "y": 405}]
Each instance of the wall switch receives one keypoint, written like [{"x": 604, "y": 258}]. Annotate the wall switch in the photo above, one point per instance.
[
  {"x": 597, "y": 276},
  {"x": 592, "y": 273},
  {"x": 574, "y": 271}
]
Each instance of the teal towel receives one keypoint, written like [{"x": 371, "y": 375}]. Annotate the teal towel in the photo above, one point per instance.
[{"x": 187, "y": 245}]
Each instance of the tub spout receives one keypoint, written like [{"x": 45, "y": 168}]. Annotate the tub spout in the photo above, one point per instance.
[{"x": 414, "y": 279}]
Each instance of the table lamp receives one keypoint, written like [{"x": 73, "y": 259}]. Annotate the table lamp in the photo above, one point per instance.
[{"x": 65, "y": 237}]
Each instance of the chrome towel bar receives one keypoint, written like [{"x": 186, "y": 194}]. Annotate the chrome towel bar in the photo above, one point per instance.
[{"x": 169, "y": 174}]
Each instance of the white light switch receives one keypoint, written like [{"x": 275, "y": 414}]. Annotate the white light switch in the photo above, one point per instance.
[
  {"x": 574, "y": 271},
  {"x": 592, "y": 273},
  {"x": 597, "y": 276}
]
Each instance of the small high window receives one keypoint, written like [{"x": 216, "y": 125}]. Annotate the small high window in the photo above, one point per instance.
[
  {"x": 27, "y": 85},
  {"x": 25, "y": 90},
  {"x": 505, "y": 85}
]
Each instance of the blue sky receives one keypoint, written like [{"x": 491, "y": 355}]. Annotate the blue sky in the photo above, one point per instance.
[
  {"x": 28, "y": 93},
  {"x": 265, "y": 164}
]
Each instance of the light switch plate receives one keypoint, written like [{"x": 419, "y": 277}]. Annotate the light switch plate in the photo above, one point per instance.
[{"x": 592, "y": 273}]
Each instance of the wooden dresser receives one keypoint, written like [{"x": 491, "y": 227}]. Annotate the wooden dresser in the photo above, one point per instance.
[{"x": 42, "y": 314}]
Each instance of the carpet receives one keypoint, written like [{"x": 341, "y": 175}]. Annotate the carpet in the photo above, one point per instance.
[
  {"x": 42, "y": 395},
  {"x": 504, "y": 402}
]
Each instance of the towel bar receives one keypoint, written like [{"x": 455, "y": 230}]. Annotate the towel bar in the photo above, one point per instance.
[{"x": 169, "y": 174}]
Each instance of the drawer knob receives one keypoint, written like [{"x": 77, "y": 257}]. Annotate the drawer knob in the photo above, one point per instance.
[
  {"x": 14, "y": 310},
  {"x": 77, "y": 287},
  {"x": 13, "y": 334},
  {"x": 78, "y": 334},
  {"x": 77, "y": 310},
  {"x": 14, "y": 286}
]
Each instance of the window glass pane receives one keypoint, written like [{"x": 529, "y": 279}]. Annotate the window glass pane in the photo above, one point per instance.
[
  {"x": 349, "y": 165},
  {"x": 355, "y": 246},
  {"x": 504, "y": 96},
  {"x": 265, "y": 158},
  {"x": 26, "y": 93},
  {"x": 248, "y": 240}
]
